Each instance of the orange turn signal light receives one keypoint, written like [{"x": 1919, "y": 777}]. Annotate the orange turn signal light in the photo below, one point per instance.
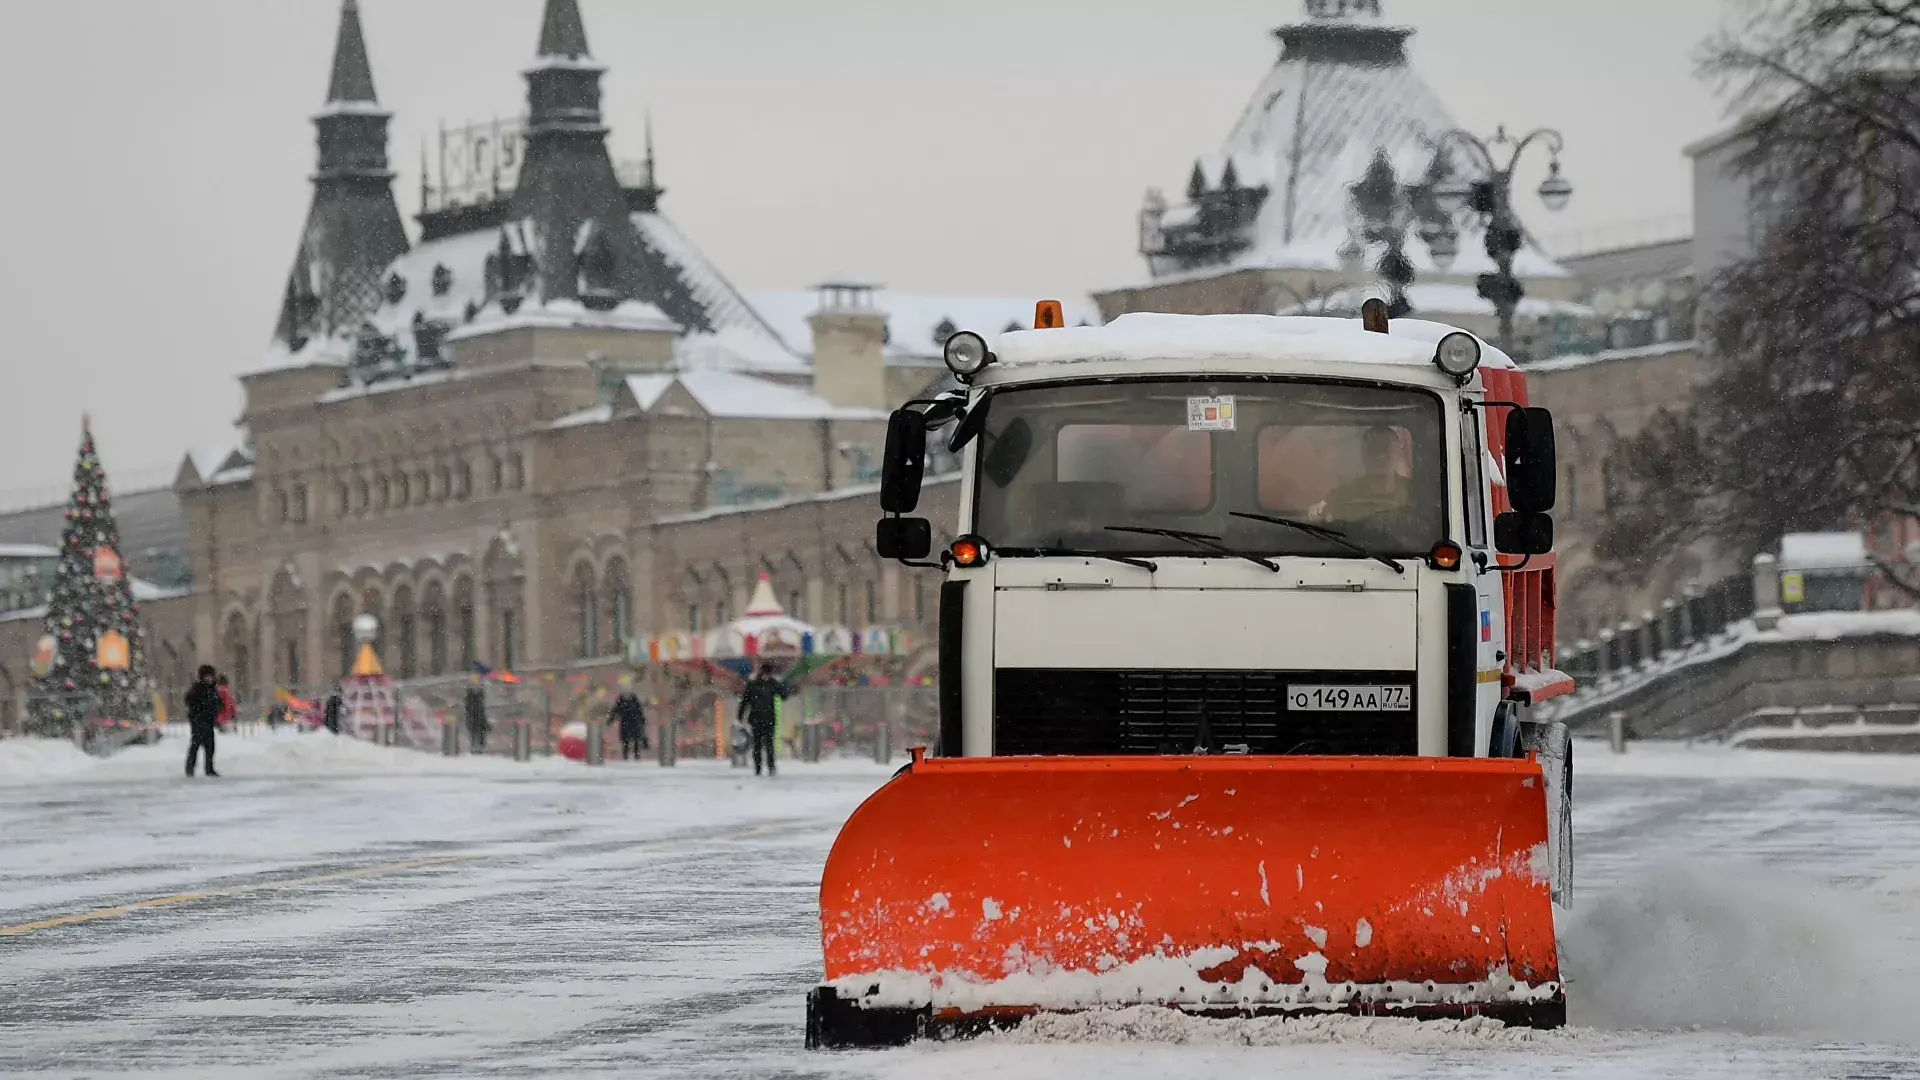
[
  {"x": 1048, "y": 316},
  {"x": 1444, "y": 556},
  {"x": 968, "y": 551}
]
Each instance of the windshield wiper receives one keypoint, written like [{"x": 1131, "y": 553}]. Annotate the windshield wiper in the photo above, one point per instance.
[
  {"x": 1325, "y": 533},
  {"x": 1204, "y": 540},
  {"x": 1074, "y": 553}
]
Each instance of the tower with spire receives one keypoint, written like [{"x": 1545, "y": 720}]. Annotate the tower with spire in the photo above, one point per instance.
[
  {"x": 353, "y": 229},
  {"x": 586, "y": 245}
]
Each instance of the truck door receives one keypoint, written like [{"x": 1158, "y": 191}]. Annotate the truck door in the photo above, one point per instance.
[{"x": 1476, "y": 472}]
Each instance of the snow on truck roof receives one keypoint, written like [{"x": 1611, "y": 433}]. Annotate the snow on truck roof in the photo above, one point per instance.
[{"x": 1145, "y": 336}]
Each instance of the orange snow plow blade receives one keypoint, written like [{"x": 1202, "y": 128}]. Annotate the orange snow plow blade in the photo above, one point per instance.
[{"x": 971, "y": 892}]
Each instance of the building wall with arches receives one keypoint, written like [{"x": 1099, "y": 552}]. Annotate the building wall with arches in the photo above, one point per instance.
[{"x": 523, "y": 509}]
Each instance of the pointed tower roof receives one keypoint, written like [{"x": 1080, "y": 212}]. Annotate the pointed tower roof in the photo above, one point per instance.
[
  {"x": 352, "y": 78},
  {"x": 353, "y": 229},
  {"x": 562, "y": 32},
  {"x": 568, "y": 190}
]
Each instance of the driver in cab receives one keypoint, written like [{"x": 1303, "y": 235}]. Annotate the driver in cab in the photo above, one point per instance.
[{"x": 1380, "y": 491}]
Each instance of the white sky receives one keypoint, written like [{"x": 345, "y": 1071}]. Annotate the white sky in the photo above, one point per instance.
[{"x": 158, "y": 177}]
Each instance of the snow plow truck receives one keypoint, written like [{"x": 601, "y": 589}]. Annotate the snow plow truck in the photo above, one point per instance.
[{"x": 1242, "y": 621}]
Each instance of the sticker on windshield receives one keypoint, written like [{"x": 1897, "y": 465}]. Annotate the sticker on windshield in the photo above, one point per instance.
[{"x": 1210, "y": 414}]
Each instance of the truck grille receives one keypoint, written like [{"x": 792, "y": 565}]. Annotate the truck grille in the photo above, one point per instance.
[{"x": 1048, "y": 711}]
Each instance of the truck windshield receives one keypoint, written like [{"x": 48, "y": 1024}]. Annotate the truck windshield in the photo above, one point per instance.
[{"x": 1060, "y": 465}]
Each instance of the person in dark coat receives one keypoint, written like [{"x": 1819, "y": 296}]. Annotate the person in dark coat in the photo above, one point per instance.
[
  {"x": 203, "y": 713},
  {"x": 759, "y": 704},
  {"x": 476, "y": 709},
  {"x": 632, "y": 718},
  {"x": 330, "y": 715}
]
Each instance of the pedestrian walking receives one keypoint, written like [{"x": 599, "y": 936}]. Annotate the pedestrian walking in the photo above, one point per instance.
[
  {"x": 330, "y": 714},
  {"x": 203, "y": 713},
  {"x": 632, "y": 718},
  {"x": 476, "y": 709},
  {"x": 759, "y": 704}
]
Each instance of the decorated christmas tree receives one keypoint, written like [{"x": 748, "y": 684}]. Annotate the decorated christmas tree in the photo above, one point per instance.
[{"x": 89, "y": 662}]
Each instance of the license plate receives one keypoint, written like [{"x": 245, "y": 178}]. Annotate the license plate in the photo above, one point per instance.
[{"x": 1349, "y": 698}]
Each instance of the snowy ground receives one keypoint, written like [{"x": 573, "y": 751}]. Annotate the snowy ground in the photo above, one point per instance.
[{"x": 330, "y": 909}]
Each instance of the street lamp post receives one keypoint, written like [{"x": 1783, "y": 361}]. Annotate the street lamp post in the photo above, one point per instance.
[
  {"x": 1382, "y": 209},
  {"x": 1490, "y": 199}
]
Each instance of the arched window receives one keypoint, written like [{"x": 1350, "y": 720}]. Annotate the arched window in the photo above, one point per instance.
[
  {"x": 433, "y": 621},
  {"x": 300, "y": 504},
  {"x": 841, "y": 612},
  {"x": 469, "y": 624},
  {"x": 385, "y": 490},
  {"x": 793, "y": 604},
  {"x": 286, "y": 506},
  {"x": 873, "y": 604},
  {"x": 400, "y": 613},
  {"x": 509, "y": 638},
  {"x": 363, "y": 496},
  {"x": 517, "y": 470},
  {"x": 693, "y": 618},
  {"x": 586, "y": 614},
  {"x": 445, "y": 490},
  {"x": 619, "y": 606},
  {"x": 422, "y": 486},
  {"x": 343, "y": 631},
  {"x": 919, "y": 599},
  {"x": 403, "y": 490},
  {"x": 239, "y": 657},
  {"x": 464, "y": 487},
  {"x": 342, "y": 499},
  {"x": 499, "y": 469}
]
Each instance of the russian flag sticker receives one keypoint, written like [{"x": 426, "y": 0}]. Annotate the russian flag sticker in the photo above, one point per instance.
[{"x": 1486, "y": 626}]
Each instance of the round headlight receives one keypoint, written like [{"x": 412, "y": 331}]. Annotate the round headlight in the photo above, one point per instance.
[
  {"x": 966, "y": 354},
  {"x": 1458, "y": 355}
]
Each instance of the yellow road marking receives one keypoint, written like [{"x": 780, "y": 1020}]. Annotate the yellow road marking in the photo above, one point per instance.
[{"x": 402, "y": 866}]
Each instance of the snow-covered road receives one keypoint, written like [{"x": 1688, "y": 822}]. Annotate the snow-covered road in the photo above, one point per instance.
[{"x": 329, "y": 909}]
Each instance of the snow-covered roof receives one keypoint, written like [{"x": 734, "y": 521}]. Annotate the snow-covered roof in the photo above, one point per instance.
[
  {"x": 726, "y": 308},
  {"x": 912, "y": 318},
  {"x": 1152, "y": 337},
  {"x": 737, "y": 348},
  {"x": 1580, "y": 360},
  {"x": 1309, "y": 132},
  {"x": 1824, "y": 551},
  {"x": 732, "y": 395},
  {"x": 212, "y": 459},
  {"x": 1445, "y": 298},
  {"x": 566, "y": 314}
]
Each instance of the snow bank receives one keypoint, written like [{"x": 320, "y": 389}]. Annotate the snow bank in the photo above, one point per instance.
[
  {"x": 1751, "y": 950},
  {"x": 278, "y": 753},
  {"x": 1704, "y": 761}
]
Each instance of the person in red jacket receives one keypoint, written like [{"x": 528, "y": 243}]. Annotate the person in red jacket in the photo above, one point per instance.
[{"x": 229, "y": 708}]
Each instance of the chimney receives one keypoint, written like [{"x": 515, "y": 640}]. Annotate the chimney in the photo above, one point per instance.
[{"x": 849, "y": 346}]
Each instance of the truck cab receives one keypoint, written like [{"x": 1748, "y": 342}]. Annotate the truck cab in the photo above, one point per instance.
[{"x": 1237, "y": 535}]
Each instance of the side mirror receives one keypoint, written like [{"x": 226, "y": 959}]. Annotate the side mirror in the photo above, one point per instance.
[
  {"x": 1532, "y": 468},
  {"x": 904, "y": 464},
  {"x": 903, "y": 538},
  {"x": 1003, "y": 460},
  {"x": 1519, "y": 533}
]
